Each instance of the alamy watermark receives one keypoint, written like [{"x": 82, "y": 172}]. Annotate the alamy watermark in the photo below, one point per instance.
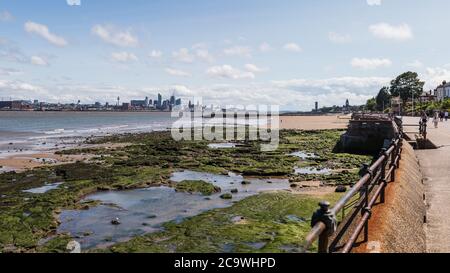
[{"x": 231, "y": 124}]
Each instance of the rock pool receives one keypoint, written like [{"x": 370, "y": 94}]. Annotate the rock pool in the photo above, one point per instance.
[
  {"x": 44, "y": 189},
  {"x": 146, "y": 210}
]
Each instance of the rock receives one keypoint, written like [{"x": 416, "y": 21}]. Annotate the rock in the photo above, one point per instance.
[
  {"x": 151, "y": 216},
  {"x": 341, "y": 189},
  {"x": 294, "y": 185},
  {"x": 234, "y": 191},
  {"x": 226, "y": 196},
  {"x": 246, "y": 182},
  {"x": 115, "y": 221}
]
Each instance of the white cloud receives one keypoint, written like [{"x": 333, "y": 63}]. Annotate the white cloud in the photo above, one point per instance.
[
  {"x": 293, "y": 47},
  {"x": 415, "y": 64},
  {"x": 204, "y": 55},
  {"x": 9, "y": 72},
  {"x": 434, "y": 76},
  {"x": 401, "y": 32},
  {"x": 374, "y": 2},
  {"x": 297, "y": 94},
  {"x": 124, "y": 57},
  {"x": 241, "y": 51},
  {"x": 44, "y": 32},
  {"x": 5, "y": 16},
  {"x": 175, "y": 72},
  {"x": 364, "y": 63},
  {"x": 183, "y": 55},
  {"x": 339, "y": 38},
  {"x": 156, "y": 54},
  {"x": 37, "y": 60},
  {"x": 265, "y": 47},
  {"x": 74, "y": 2},
  {"x": 255, "y": 69},
  {"x": 112, "y": 35},
  {"x": 229, "y": 72}
]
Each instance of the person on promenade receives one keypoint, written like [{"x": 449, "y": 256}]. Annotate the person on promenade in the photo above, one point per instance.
[
  {"x": 424, "y": 117},
  {"x": 441, "y": 116},
  {"x": 446, "y": 115},
  {"x": 436, "y": 120}
]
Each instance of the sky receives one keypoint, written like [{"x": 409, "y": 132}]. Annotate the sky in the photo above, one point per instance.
[{"x": 226, "y": 52}]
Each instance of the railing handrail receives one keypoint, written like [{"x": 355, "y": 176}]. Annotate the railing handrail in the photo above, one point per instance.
[{"x": 321, "y": 225}]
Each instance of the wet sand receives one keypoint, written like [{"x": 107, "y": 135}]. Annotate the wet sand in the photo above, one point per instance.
[{"x": 29, "y": 161}]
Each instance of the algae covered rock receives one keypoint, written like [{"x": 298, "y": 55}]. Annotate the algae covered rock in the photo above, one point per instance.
[{"x": 197, "y": 186}]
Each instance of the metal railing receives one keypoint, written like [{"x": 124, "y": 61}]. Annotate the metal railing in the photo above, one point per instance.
[
  {"x": 422, "y": 128},
  {"x": 361, "y": 198}
]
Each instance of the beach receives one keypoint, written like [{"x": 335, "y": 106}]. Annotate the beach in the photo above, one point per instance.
[
  {"x": 324, "y": 122},
  {"x": 22, "y": 150}
]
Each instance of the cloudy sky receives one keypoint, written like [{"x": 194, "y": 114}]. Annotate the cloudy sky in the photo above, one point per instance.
[{"x": 229, "y": 52}]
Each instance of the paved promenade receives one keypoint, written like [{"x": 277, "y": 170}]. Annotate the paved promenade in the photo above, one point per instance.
[{"x": 435, "y": 166}]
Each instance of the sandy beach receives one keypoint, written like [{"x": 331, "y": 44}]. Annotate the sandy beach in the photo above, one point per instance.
[{"x": 314, "y": 122}]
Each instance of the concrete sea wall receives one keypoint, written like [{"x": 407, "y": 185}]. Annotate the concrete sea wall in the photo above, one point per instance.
[{"x": 398, "y": 225}]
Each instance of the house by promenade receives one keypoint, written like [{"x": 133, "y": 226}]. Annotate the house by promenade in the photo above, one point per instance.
[
  {"x": 442, "y": 91},
  {"x": 427, "y": 97}
]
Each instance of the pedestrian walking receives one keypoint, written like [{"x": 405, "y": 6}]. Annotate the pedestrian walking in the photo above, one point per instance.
[
  {"x": 436, "y": 120},
  {"x": 446, "y": 115}
]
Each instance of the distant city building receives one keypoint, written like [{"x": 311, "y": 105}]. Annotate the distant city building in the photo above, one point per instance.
[
  {"x": 140, "y": 103},
  {"x": 159, "y": 104},
  {"x": 126, "y": 106}
]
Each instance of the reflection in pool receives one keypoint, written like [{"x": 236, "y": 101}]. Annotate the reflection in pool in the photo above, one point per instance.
[
  {"x": 313, "y": 171},
  {"x": 44, "y": 189},
  {"x": 222, "y": 145},
  {"x": 304, "y": 155},
  {"x": 145, "y": 210}
]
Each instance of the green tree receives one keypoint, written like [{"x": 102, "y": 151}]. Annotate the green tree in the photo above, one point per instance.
[
  {"x": 371, "y": 104},
  {"x": 406, "y": 85},
  {"x": 383, "y": 98}
]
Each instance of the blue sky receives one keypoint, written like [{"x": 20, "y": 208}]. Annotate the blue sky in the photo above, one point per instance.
[{"x": 287, "y": 53}]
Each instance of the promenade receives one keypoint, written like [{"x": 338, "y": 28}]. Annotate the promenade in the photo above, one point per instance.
[{"x": 435, "y": 166}]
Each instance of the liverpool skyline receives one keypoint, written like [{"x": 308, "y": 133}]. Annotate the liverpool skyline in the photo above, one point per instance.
[{"x": 227, "y": 52}]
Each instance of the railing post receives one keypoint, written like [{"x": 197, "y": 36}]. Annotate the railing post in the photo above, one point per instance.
[
  {"x": 393, "y": 162},
  {"x": 326, "y": 216},
  {"x": 365, "y": 194},
  {"x": 383, "y": 174}
]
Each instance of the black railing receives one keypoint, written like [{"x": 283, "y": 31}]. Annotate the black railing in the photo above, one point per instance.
[{"x": 334, "y": 236}]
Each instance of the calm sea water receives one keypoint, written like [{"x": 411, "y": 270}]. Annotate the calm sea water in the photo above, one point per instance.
[{"x": 30, "y": 131}]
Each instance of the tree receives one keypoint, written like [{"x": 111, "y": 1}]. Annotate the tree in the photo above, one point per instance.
[
  {"x": 371, "y": 104},
  {"x": 406, "y": 85},
  {"x": 383, "y": 98}
]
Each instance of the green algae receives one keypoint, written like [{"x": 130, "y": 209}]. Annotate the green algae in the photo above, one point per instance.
[
  {"x": 197, "y": 186},
  {"x": 257, "y": 219},
  {"x": 147, "y": 160}
]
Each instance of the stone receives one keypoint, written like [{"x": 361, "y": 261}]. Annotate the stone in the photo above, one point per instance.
[
  {"x": 246, "y": 182},
  {"x": 226, "y": 196},
  {"x": 341, "y": 189},
  {"x": 234, "y": 191},
  {"x": 115, "y": 221}
]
